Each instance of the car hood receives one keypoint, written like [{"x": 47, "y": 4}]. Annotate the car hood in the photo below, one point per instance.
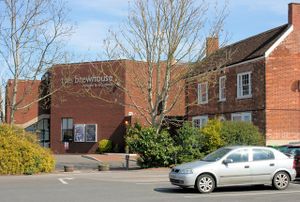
[{"x": 193, "y": 165}]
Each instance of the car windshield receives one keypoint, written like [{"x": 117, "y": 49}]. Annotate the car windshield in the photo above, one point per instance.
[{"x": 216, "y": 155}]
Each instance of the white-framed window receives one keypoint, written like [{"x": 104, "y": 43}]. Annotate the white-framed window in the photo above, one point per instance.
[
  {"x": 199, "y": 121},
  {"x": 242, "y": 116},
  {"x": 203, "y": 93},
  {"x": 244, "y": 89},
  {"x": 222, "y": 81}
]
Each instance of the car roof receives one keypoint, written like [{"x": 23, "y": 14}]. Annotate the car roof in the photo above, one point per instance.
[{"x": 247, "y": 147}]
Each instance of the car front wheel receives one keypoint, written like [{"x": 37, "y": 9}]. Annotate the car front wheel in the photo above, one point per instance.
[
  {"x": 281, "y": 180},
  {"x": 205, "y": 183}
]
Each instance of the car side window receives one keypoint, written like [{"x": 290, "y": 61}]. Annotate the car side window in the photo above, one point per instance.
[
  {"x": 295, "y": 151},
  {"x": 239, "y": 156},
  {"x": 262, "y": 154}
]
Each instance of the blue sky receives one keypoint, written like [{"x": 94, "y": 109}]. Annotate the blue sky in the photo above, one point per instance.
[{"x": 92, "y": 18}]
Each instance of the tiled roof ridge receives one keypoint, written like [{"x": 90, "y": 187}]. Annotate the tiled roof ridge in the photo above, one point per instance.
[{"x": 256, "y": 35}]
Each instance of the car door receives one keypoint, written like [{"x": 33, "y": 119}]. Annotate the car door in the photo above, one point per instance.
[
  {"x": 263, "y": 165},
  {"x": 238, "y": 171}
]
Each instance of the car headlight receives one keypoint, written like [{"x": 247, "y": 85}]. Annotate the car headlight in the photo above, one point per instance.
[{"x": 186, "y": 171}]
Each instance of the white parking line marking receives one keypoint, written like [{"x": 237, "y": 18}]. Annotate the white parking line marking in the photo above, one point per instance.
[
  {"x": 242, "y": 194},
  {"x": 62, "y": 180}
]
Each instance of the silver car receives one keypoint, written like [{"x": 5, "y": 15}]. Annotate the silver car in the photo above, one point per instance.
[{"x": 236, "y": 165}]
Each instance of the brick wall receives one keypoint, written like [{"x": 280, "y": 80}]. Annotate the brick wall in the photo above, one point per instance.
[
  {"x": 215, "y": 108},
  {"x": 282, "y": 95},
  {"x": 27, "y": 93},
  {"x": 74, "y": 102},
  {"x": 136, "y": 76}
]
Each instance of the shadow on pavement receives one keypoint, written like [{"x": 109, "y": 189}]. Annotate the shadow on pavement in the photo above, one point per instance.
[
  {"x": 178, "y": 190},
  {"x": 297, "y": 182}
]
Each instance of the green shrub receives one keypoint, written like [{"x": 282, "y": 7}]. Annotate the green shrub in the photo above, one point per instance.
[
  {"x": 20, "y": 153},
  {"x": 154, "y": 149},
  {"x": 211, "y": 136},
  {"x": 105, "y": 146},
  {"x": 241, "y": 133},
  {"x": 188, "y": 141}
]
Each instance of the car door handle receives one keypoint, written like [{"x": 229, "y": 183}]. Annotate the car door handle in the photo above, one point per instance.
[
  {"x": 272, "y": 164},
  {"x": 247, "y": 166}
]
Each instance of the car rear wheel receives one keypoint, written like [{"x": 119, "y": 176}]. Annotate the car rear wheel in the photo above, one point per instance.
[
  {"x": 205, "y": 183},
  {"x": 281, "y": 180}
]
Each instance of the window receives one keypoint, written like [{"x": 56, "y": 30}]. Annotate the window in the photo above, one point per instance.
[
  {"x": 216, "y": 155},
  {"x": 222, "y": 118},
  {"x": 199, "y": 121},
  {"x": 262, "y": 154},
  {"x": 43, "y": 128},
  {"x": 67, "y": 129},
  {"x": 243, "y": 116},
  {"x": 239, "y": 156},
  {"x": 244, "y": 85},
  {"x": 85, "y": 132},
  {"x": 91, "y": 132},
  {"x": 222, "y": 81},
  {"x": 203, "y": 93}
]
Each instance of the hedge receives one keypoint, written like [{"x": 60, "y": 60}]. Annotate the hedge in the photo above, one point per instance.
[{"x": 20, "y": 152}]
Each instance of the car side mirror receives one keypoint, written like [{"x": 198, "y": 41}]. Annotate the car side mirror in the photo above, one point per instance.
[{"x": 227, "y": 161}]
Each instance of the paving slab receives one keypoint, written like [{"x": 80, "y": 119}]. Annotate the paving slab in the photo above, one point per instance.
[
  {"x": 79, "y": 162},
  {"x": 90, "y": 162},
  {"x": 116, "y": 161}
]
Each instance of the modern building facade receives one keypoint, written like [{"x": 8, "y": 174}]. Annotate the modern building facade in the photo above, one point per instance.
[
  {"x": 259, "y": 81},
  {"x": 87, "y": 102}
]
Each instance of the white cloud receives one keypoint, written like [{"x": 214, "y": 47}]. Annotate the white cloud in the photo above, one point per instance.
[
  {"x": 88, "y": 33},
  {"x": 88, "y": 38}
]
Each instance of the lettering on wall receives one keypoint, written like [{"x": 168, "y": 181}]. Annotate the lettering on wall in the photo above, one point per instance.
[{"x": 90, "y": 81}]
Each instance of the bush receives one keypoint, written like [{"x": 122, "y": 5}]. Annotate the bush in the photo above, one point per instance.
[
  {"x": 20, "y": 153},
  {"x": 188, "y": 141},
  {"x": 241, "y": 133},
  {"x": 154, "y": 149},
  {"x": 211, "y": 136},
  {"x": 105, "y": 146}
]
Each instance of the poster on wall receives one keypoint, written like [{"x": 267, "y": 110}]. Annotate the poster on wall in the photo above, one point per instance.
[
  {"x": 79, "y": 133},
  {"x": 91, "y": 132}
]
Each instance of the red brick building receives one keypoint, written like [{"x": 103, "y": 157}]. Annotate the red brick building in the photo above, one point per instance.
[
  {"x": 28, "y": 110},
  {"x": 88, "y": 103},
  {"x": 259, "y": 82}
]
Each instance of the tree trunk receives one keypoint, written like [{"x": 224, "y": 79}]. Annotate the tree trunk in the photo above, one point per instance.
[{"x": 13, "y": 102}]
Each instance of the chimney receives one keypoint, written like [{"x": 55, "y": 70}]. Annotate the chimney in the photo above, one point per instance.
[
  {"x": 294, "y": 14},
  {"x": 212, "y": 44}
]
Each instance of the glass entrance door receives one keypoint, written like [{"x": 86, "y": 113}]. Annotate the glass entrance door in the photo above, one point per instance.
[{"x": 44, "y": 132}]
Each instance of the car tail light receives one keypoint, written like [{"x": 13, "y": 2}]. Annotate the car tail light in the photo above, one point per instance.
[{"x": 294, "y": 163}]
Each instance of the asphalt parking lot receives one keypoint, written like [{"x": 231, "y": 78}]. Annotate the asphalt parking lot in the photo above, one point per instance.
[{"x": 138, "y": 185}]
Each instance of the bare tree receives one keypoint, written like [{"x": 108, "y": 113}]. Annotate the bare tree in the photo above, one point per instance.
[
  {"x": 31, "y": 40},
  {"x": 1, "y": 105},
  {"x": 166, "y": 38}
]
